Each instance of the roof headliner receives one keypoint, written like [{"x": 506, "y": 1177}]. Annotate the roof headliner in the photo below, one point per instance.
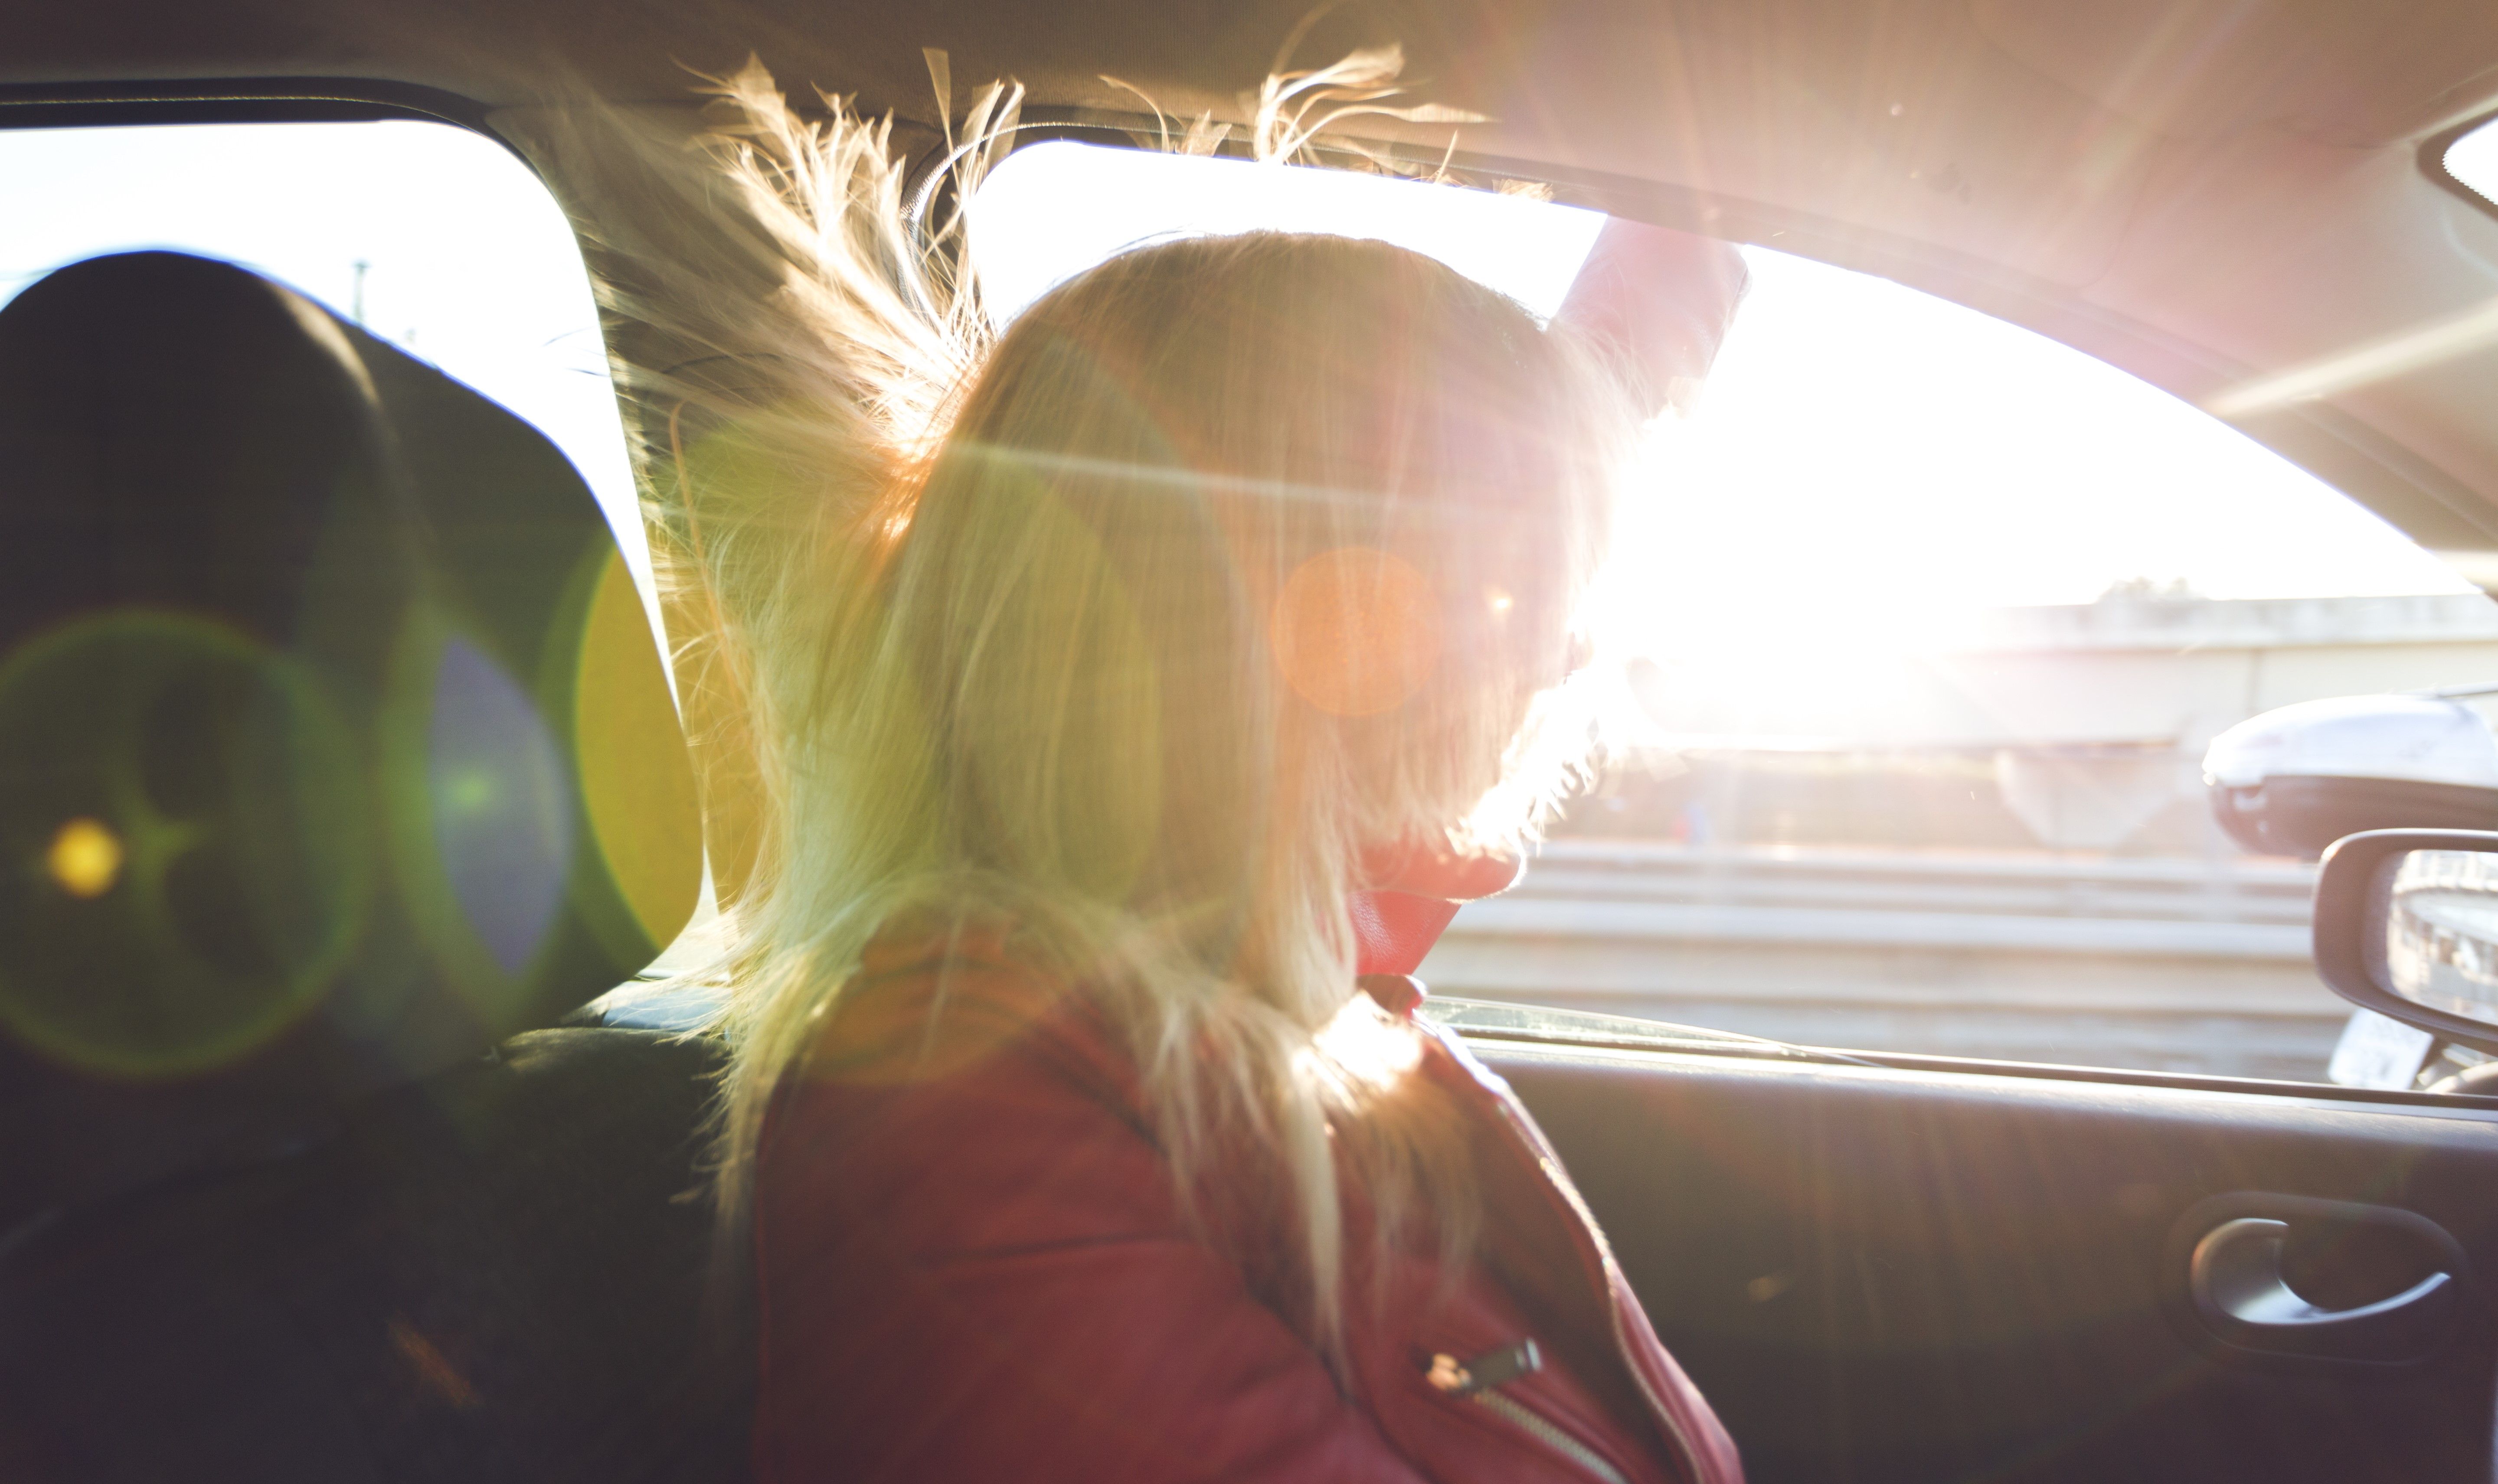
[{"x": 2200, "y": 191}]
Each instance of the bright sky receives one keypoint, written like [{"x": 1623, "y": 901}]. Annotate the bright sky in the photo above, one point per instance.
[
  {"x": 2474, "y": 160},
  {"x": 1866, "y": 462}
]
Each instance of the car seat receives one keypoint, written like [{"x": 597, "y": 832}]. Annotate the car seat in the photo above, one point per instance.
[{"x": 336, "y": 766}]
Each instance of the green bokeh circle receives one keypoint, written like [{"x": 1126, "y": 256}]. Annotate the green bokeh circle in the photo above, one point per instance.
[{"x": 233, "y": 788}]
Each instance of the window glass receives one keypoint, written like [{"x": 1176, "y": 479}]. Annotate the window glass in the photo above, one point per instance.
[
  {"x": 2473, "y": 159},
  {"x": 432, "y": 237},
  {"x": 1052, "y": 210},
  {"x": 1924, "y": 623}
]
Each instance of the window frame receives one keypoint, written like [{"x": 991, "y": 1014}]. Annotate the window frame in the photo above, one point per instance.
[{"x": 236, "y": 101}]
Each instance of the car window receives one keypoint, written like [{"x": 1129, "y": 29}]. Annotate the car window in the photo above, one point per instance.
[
  {"x": 1924, "y": 622},
  {"x": 431, "y": 236},
  {"x": 2473, "y": 159}
]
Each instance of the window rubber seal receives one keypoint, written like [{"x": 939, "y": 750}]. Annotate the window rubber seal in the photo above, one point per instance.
[{"x": 235, "y": 100}]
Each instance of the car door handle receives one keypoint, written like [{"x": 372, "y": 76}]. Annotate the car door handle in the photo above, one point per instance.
[{"x": 2236, "y": 1282}]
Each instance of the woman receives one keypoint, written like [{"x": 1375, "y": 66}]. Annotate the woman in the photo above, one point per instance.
[{"x": 1116, "y": 718}]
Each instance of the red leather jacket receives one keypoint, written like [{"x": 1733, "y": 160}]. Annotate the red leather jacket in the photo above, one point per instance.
[{"x": 974, "y": 1265}]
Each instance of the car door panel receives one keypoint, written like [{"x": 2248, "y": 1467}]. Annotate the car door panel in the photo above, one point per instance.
[{"x": 1892, "y": 1275}]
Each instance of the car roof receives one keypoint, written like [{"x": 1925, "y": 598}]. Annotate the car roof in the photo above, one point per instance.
[{"x": 2209, "y": 193}]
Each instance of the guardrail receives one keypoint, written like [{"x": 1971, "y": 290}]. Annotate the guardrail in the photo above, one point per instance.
[{"x": 2162, "y": 964}]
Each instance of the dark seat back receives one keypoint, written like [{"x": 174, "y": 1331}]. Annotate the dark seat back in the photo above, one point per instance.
[{"x": 334, "y": 752}]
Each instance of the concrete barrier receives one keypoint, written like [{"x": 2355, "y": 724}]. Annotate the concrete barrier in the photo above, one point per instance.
[{"x": 2156, "y": 964}]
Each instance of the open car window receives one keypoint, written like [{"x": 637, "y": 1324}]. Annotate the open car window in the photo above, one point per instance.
[
  {"x": 1923, "y": 623},
  {"x": 431, "y": 236}
]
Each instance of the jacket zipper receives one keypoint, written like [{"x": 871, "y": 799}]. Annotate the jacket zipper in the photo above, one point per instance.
[
  {"x": 1591, "y": 1251},
  {"x": 1583, "y": 1224},
  {"x": 1479, "y": 1380}
]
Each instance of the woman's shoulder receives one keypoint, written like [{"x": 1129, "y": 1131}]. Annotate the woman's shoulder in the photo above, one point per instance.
[
  {"x": 958, "y": 1101},
  {"x": 960, "y": 1013}
]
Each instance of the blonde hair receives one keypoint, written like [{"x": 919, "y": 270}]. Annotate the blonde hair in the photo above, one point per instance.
[{"x": 1233, "y": 561}]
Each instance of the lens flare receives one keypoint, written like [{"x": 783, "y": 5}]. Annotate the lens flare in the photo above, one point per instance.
[
  {"x": 189, "y": 810},
  {"x": 500, "y": 804},
  {"x": 1357, "y": 631},
  {"x": 636, "y": 785},
  {"x": 86, "y": 858}
]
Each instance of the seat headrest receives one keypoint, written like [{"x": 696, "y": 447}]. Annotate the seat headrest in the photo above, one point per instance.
[{"x": 334, "y": 743}]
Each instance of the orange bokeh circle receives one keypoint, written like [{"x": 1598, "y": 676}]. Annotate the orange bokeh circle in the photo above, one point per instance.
[{"x": 1357, "y": 631}]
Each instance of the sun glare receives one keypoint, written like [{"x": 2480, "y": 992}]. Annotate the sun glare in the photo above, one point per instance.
[{"x": 1868, "y": 470}]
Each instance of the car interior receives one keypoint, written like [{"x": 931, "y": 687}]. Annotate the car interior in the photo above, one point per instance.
[{"x": 438, "y": 1213}]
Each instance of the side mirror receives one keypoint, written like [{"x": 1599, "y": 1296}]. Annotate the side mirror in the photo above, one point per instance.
[{"x": 2406, "y": 925}]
